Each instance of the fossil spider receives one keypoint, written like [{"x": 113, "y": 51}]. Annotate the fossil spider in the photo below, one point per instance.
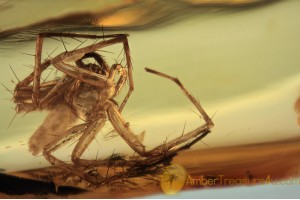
[{"x": 88, "y": 91}]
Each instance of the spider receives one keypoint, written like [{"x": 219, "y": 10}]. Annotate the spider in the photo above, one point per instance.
[{"x": 87, "y": 91}]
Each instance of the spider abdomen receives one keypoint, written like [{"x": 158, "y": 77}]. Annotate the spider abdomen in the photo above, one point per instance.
[{"x": 88, "y": 100}]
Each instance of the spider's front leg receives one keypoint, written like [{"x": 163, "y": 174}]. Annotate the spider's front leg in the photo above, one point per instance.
[
  {"x": 126, "y": 133},
  {"x": 198, "y": 132}
]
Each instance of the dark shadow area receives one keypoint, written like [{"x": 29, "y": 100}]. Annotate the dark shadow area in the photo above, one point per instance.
[
  {"x": 12, "y": 185},
  {"x": 157, "y": 15}
]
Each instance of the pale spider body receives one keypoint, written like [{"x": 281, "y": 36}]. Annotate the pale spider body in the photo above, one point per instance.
[
  {"x": 79, "y": 101},
  {"x": 87, "y": 100},
  {"x": 86, "y": 92}
]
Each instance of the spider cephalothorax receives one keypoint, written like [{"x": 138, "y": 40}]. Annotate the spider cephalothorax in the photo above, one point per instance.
[
  {"x": 85, "y": 99},
  {"x": 86, "y": 91}
]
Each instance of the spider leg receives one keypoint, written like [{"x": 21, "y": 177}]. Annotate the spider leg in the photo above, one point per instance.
[
  {"x": 93, "y": 78},
  {"x": 63, "y": 63},
  {"x": 73, "y": 71},
  {"x": 39, "y": 66},
  {"x": 84, "y": 130},
  {"x": 130, "y": 78},
  {"x": 83, "y": 75},
  {"x": 60, "y": 87},
  {"x": 37, "y": 70},
  {"x": 23, "y": 93},
  {"x": 187, "y": 94},
  {"x": 84, "y": 141},
  {"x": 132, "y": 140},
  {"x": 124, "y": 131},
  {"x": 76, "y": 35},
  {"x": 122, "y": 80},
  {"x": 25, "y": 82},
  {"x": 120, "y": 84},
  {"x": 47, "y": 94},
  {"x": 88, "y": 133},
  {"x": 204, "y": 129}
]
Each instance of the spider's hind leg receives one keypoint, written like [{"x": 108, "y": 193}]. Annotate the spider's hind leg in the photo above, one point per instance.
[
  {"x": 87, "y": 133},
  {"x": 73, "y": 169}
]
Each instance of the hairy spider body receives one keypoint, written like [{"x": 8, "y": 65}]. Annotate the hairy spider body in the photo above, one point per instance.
[
  {"x": 80, "y": 100},
  {"x": 87, "y": 91}
]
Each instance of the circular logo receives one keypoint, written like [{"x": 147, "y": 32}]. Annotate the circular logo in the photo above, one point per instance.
[{"x": 173, "y": 179}]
